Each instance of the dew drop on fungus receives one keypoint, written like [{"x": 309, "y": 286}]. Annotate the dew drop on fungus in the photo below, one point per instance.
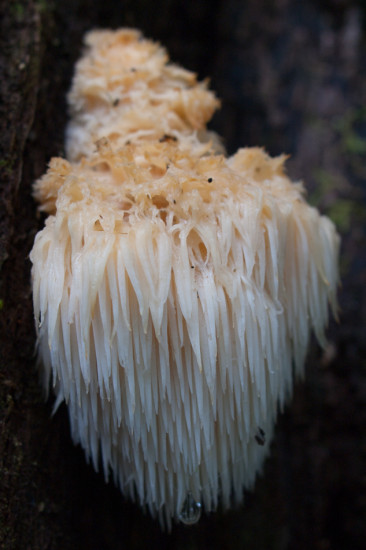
[{"x": 191, "y": 510}]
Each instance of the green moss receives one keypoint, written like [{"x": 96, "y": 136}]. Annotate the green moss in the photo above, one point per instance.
[
  {"x": 348, "y": 128},
  {"x": 335, "y": 196},
  {"x": 324, "y": 184},
  {"x": 44, "y": 5},
  {"x": 17, "y": 10},
  {"x": 4, "y": 163},
  {"x": 354, "y": 144},
  {"x": 341, "y": 213},
  {"x": 7, "y": 166}
]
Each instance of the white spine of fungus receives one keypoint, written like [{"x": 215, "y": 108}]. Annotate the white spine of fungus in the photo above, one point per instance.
[{"x": 174, "y": 289}]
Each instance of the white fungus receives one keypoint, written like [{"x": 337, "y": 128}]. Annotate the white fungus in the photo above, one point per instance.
[{"x": 174, "y": 289}]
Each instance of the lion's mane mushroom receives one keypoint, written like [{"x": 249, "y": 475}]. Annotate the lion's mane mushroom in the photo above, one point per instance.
[{"x": 174, "y": 289}]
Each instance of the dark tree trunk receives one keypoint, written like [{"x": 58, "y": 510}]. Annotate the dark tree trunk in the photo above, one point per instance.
[{"x": 292, "y": 78}]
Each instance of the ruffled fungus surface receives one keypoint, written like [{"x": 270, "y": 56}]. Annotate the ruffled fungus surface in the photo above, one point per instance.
[
  {"x": 175, "y": 289},
  {"x": 124, "y": 89}
]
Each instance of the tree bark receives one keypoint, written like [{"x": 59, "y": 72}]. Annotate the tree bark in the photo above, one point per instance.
[{"x": 292, "y": 79}]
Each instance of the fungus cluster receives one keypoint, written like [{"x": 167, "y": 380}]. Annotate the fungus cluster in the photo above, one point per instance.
[{"x": 174, "y": 288}]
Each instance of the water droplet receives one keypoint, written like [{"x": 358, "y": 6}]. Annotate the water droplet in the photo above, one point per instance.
[{"x": 191, "y": 510}]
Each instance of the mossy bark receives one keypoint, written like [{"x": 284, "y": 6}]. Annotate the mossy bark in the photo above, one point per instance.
[{"x": 292, "y": 79}]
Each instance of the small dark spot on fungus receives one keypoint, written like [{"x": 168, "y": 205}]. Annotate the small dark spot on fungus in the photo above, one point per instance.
[
  {"x": 100, "y": 143},
  {"x": 192, "y": 266},
  {"x": 167, "y": 137},
  {"x": 260, "y": 437},
  {"x": 133, "y": 69},
  {"x": 101, "y": 167},
  {"x": 159, "y": 201},
  {"x": 174, "y": 201},
  {"x": 209, "y": 180},
  {"x": 116, "y": 102}
]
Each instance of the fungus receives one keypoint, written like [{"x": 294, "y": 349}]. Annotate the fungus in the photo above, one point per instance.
[
  {"x": 125, "y": 89},
  {"x": 174, "y": 289}
]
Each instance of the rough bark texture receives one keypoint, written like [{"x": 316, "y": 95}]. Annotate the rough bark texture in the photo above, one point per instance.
[{"x": 291, "y": 76}]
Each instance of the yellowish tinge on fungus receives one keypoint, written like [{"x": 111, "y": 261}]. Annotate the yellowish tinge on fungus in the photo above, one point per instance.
[{"x": 175, "y": 289}]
